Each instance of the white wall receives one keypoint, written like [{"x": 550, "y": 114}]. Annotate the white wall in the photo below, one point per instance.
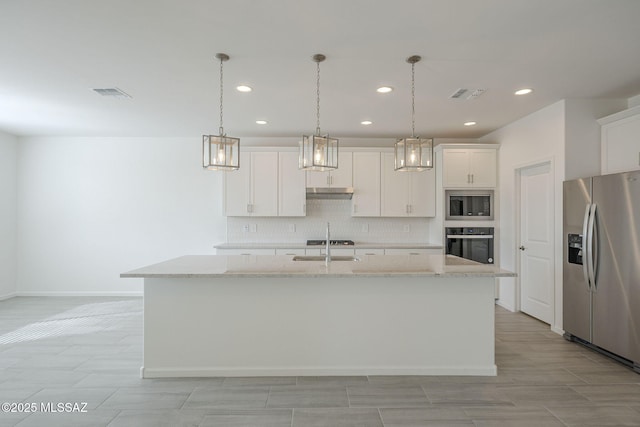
[
  {"x": 582, "y": 134},
  {"x": 566, "y": 133},
  {"x": 8, "y": 214},
  {"x": 91, "y": 208},
  {"x": 536, "y": 138}
]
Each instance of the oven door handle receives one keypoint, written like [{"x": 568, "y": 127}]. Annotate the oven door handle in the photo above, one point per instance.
[{"x": 467, "y": 236}]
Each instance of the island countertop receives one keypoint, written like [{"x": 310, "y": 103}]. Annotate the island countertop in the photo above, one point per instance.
[{"x": 219, "y": 266}]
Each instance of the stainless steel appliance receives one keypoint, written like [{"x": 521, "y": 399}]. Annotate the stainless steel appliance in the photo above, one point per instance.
[
  {"x": 469, "y": 204},
  {"x": 471, "y": 243},
  {"x": 331, "y": 242},
  {"x": 601, "y": 264}
]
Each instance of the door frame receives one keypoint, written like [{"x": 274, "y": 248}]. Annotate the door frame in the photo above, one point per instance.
[{"x": 518, "y": 169}]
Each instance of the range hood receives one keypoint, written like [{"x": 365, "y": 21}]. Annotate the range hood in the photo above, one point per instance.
[{"x": 330, "y": 193}]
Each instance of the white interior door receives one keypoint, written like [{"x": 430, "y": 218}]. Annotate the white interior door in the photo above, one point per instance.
[{"x": 536, "y": 242}]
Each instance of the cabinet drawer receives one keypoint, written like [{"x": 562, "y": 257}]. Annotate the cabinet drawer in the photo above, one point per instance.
[
  {"x": 376, "y": 251},
  {"x": 246, "y": 251},
  {"x": 298, "y": 251},
  {"x": 413, "y": 251}
]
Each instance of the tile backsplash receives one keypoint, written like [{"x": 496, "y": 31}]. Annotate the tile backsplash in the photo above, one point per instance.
[{"x": 312, "y": 226}]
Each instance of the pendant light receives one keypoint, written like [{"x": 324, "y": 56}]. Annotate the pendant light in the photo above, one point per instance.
[
  {"x": 220, "y": 152},
  {"x": 414, "y": 153},
  {"x": 318, "y": 152}
]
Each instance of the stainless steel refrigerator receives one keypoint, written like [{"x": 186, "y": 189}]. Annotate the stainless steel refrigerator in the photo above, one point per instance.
[{"x": 601, "y": 286}]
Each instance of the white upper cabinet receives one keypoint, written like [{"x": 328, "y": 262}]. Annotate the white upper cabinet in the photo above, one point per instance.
[
  {"x": 469, "y": 168},
  {"x": 366, "y": 184},
  {"x": 406, "y": 194},
  {"x": 341, "y": 177},
  {"x": 292, "y": 197},
  {"x": 252, "y": 190},
  {"x": 620, "y": 141}
]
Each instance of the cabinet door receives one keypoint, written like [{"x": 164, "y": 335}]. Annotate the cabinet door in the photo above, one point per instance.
[
  {"x": 455, "y": 168},
  {"x": 621, "y": 145},
  {"x": 343, "y": 176},
  {"x": 423, "y": 193},
  {"x": 237, "y": 188},
  {"x": 482, "y": 167},
  {"x": 292, "y": 197},
  {"x": 366, "y": 183},
  {"x": 317, "y": 179},
  {"x": 394, "y": 195},
  {"x": 264, "y": 183}
]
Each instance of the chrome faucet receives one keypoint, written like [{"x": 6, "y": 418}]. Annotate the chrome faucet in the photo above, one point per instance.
[{"x": 327, "y": 258}]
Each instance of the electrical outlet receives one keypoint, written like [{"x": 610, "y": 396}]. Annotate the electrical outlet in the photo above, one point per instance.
[
  {"x": 253, "y": 228},
  {"x": 406, "y": 228},
  {"x": 245, "y": 228},
  {"x": 365, "y": 228},
  {"x": 292, "y": 228}
]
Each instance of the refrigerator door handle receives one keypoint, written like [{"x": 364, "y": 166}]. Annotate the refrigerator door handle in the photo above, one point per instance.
[
  {"x": 589, "y": 244},
  {"x": 585, "y": 246},
  {"x": 593, "y": 246}
]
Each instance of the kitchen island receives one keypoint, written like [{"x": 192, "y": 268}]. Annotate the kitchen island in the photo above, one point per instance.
[{"x": 236, "y": 315}]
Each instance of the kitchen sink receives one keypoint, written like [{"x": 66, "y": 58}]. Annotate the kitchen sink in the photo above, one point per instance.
[{"x": 322, "y": 258}]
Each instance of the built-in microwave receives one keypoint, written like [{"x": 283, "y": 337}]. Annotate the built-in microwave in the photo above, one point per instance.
[{"x": 469, "y": 204}]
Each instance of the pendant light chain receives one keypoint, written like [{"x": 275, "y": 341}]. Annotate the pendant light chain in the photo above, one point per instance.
[
  {"x": 318, "y": 99},
  {"x": 221, "y": 129},
  {"x": 413, "y": 100}
]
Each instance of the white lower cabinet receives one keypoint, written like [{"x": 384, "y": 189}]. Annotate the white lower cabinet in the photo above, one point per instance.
[
  {"x": 334, "y": 251},
  {"x": 245, "y": 251},
  {"x": 413, "y": 251},
  {"x": 297, "y": 251},
  {"x": 374, "y": 251}
]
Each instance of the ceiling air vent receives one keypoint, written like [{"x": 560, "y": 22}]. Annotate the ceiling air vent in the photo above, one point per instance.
[
  {"x": 112, "y": 91},
  {"x": 476, "y": 93},
  {"x": 458, "y": 93}
]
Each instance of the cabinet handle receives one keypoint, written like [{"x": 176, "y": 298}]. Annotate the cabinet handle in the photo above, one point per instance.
[
  {"x": 331, "y": 178},
  {"x": 468, "y": 178},
  {"x": 355, "y": 208},
  {"x": 248, "y": 208},
  {"x": 304, "y": 208},
  {"x": 472, "y": 176},
  {"x": 328, "y": 180}
]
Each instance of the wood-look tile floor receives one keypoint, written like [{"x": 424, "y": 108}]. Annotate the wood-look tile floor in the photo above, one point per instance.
[{"x": 73, "y": 350}]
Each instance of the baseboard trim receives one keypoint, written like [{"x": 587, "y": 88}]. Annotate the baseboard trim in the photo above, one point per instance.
[
  {"x": 8, "y": 296},
  {"x": 505, "y": 306},
  {"x": 186, "y": 372},
  {"x": 80, "y": 294}
]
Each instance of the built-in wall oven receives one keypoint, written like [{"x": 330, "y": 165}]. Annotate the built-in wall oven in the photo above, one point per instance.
[
  {"x": 471, "y": 243},
  {"x": 469, "y": 204}
]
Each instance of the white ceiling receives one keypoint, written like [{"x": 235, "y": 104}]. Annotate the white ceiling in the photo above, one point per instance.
[{"x": 162, "y": 53}]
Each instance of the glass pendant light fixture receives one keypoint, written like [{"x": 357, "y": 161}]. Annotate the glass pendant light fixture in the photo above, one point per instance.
[
  {"x": 220, "y": 152},
  {"x": 318, "y": 152},
  {"x": 414, "y": 153}
]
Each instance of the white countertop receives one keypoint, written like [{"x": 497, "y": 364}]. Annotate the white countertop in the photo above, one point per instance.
[
  {"x": 303, "y": 245},
  {"x": 218, "y": 266}
]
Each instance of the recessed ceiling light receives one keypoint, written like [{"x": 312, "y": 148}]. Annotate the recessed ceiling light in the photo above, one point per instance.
[
  {"x": 525, "y": 91},
  {"x": 261, "y": 122},
  {"x": 243, "y": 88},
  {"x": 384, "y": 89},
  {"x": 470, "y": 123},
  {"x": 366, "y": 122}
]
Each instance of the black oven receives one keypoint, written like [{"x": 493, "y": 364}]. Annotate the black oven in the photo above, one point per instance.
[{"x": 471, "y": 243}]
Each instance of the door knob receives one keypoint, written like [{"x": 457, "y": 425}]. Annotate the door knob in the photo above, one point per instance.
[{"x": 522, "y": 248}]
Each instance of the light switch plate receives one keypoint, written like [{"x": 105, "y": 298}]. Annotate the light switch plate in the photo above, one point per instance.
[{"x": 245, "y": 228}]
